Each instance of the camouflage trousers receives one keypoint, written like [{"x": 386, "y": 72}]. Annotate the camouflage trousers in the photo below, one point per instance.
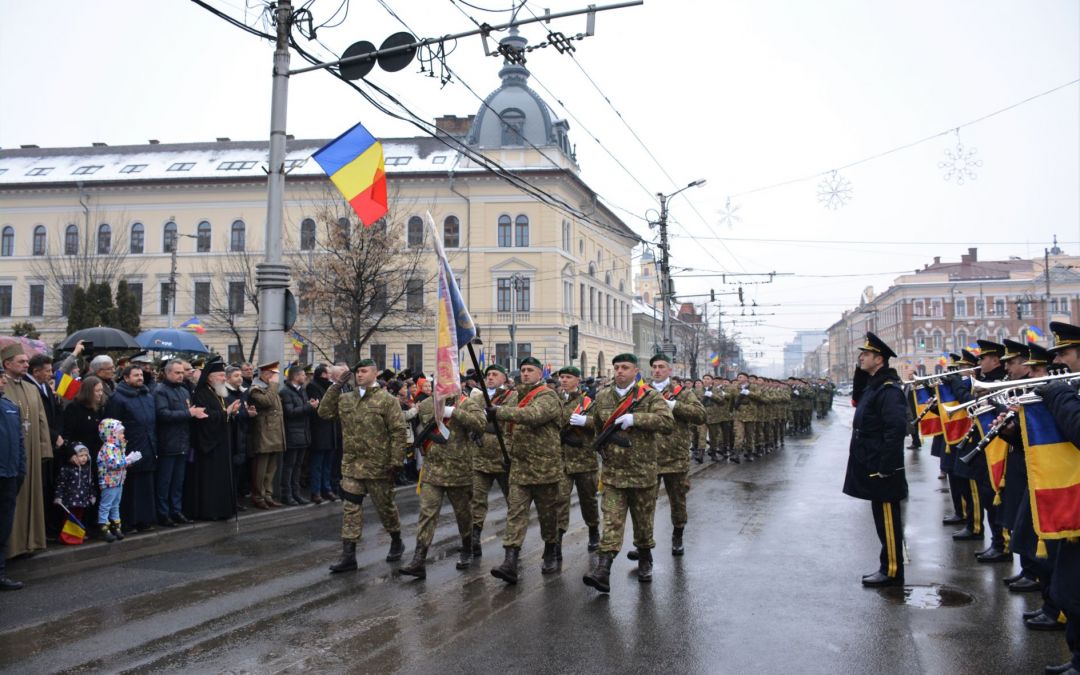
[
  {"x": 641, "y": 503},
  {"x": 431, "y": 499},
  {"x": 585, "y": 482},
  {"x": 546, "y": 496},
  {"x": 722, "y": 436},
  {"x": 381, "y": 492},
  {"x": 745, "y": 436},
  {"x": 481, "y": 487},
  {"x": 676, "y": 485}
]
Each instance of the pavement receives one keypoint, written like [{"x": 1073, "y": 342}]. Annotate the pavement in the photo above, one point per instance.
[{"x": 769, "y": 584}]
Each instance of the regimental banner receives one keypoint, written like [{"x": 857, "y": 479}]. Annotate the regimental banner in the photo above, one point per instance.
[
  {"x": 955, "y": 425},
  {"x": 1053, "y": 467},
  {"x": 930, "y": 424}
]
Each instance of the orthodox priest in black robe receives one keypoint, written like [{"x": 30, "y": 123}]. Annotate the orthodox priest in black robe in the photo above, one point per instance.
[{"x": 210, "y": 493}]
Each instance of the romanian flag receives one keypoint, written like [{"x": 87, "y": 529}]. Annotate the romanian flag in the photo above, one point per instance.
[
  {"x": 73, "y": 532},
  {"x": 194, "y": 324},
  {"x": 996, "y": 453},
  {"x": 297, "y": 341},
  {"x": 943, "y": 360},
  {"x": 354, "y": 163},
  {"x": 1053, "y": 466},
  {"x": 931, "y": 424},
  {"x": 1032, "y": 334},
  {"x": 956, "y": 425},
  {"x": 974, "y": 348},
  {"x": 714, "y": 359},
  {"x": 66, "y": 386}
]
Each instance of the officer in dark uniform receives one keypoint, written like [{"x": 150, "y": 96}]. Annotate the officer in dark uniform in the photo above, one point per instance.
[
  {"x": 1062, "y": 401},
  {"x": 939, "y": 448},
  {"x": 875, "y": 469}
]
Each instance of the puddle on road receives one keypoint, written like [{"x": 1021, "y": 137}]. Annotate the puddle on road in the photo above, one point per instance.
[{"x": 930, "y": 596}]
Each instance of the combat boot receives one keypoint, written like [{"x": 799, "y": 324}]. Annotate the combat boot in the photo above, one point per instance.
[
  {"x": 594, "y": 538},
  {"x": 676, "y": 542},
  {"x": 558, "y": 546},
  {"x": 508, "y": 571},
  {"x": 396, "y": 547},
  {"x": 632, "y": 554},
  {"x": 551, "y": 562},
  {"x": 347, "y": 561},
  {"x": 644, "y": 565},
  {"x": 477, "y": 548},
  {"x": 465, "y": 556},
  {"x": 600, "y": 576},
  {"x": 416, "y": 567}
]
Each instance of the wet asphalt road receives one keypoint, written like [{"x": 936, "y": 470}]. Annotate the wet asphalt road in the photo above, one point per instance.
[{"x": 769, "y": 583}]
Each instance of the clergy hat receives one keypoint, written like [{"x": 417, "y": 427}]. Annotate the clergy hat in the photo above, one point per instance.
[
  {"x": 877, "y": 345},
  {"x": 1065, "y": 335},
  {"x": 215, "y": 366},
  {"x": 1014, "y": 349},
  {"x": 990, "y": 348}
]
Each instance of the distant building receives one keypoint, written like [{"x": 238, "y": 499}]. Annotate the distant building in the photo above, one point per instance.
[
  {"x": 647, "y": 281},
  {"x": 795, "y": 352}
]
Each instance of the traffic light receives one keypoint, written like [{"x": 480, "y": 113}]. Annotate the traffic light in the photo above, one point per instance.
[
  {"x": 741, "y": 296},
  {"x": 712, "y": 295},
  {"x": 922, "y": 342},
  {"x": 573, "y": 340}
]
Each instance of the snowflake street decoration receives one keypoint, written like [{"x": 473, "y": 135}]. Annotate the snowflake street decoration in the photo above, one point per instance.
[
  {"x": 835, "y": 191},
  {"x": 729, "y": 215},
  {"x": 960, "y": 162}
]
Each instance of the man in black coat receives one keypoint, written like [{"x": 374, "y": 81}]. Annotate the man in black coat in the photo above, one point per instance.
[
  {"x": 875, "y": 469},
  {"x": 210, "y": 489},
  {"x": 297, "y": 407},
  {"x": 174, "y": 411}
]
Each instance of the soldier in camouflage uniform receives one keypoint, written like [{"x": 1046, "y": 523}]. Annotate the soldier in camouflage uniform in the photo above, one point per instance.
[
  {"x": 672, "y": 458},
  {"x": 489, "y": 464},
  {"x": 447, "y": 471},
  {"x": 724, "y": 393},
  {"x": 713, "y": 406},
  {"x": 534, "y": 414},
  {"x": 629, "y": 468},
  {"x": 374, "y": 440},
  {"x": 745, "y": 412},
  {"x": 579, "y": 460},
  {"x": 784, "y": 411}
]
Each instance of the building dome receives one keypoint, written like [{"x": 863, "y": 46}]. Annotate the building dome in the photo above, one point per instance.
[{"x": 514, "y": 115}]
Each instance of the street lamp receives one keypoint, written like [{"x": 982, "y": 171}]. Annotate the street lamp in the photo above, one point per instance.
[
  {"x": 665, "y": 267},
  {"x": 172, "y": 274}
]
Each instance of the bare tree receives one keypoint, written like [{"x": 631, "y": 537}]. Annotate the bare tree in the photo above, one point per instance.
[{"x": 229, "y": 309}]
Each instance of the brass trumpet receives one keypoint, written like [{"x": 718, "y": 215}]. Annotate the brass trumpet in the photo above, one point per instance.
[
  {"x": 926, "y": 380},
  {"x": 1027, "y": 383}
]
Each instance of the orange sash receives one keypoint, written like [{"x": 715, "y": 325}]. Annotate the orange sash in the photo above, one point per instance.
[
  {"x": 668, "y": 395},
  {"x": 525, "y": 401},
  {"x": 625, "y": 405}
]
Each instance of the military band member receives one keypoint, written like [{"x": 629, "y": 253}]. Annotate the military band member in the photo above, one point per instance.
[
  {"x": 373, "y": 451},
  {"x": 489, "y": 463},
  {"x": 447, "y": 472},
  {"x": 579, "y": 460},
  {"x": 533, "y": 415},
  {"x": 673, "y": 450},
  {"x": 875, "y": 469},
  {"x": 637, "y": 415}
]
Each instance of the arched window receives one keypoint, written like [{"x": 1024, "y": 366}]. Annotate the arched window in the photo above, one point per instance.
[
  {"x": 1003, "y": 334},
  {"x": 451, "y": 232},
  {"x": 607, "y": 278},
  {"x": 71, "y": 240},
  {"x": 307, "y": 234},
  {"x": 138, "y": 238},
  {"x": 345, "y": 232},
  {"x": 7, "y": 242},
  {"x": 622, "y": 287},
  {"x": 513, "y": 127},
  {"x": 236, "y": 237},
  {"x": 104, "y": 239},
  {"x": 504, "y": 231},
  {"x": 938, "y": 339},
  {"x": 415, "y": 232},
  {"x": 168, "y": 237},
  {"x": 202, "y": 240},
  {"x": 921, "y": 344},
  {"x": 592, "y": 269},
  {"x": 961, "y": 340},
  {"x": 521, "y": 231},
  {"x": 39, "y": 240}
]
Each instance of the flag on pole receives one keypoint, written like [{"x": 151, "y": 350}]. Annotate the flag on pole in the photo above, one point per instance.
[
  {"x": 73, "y": 532},
  {"x": 714, "y": 359},
  {"x": 66, "y": 385},
  {"x": 194, "y": 324},
  {"x": 1053, "y": 466},
  {"x": 1033, "y": 334},
  {"x": 354, "y": 163},
  {"x": 454, "y": 329}
]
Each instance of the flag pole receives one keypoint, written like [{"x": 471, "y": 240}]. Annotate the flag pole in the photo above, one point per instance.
[{"x": 487, "y": 404}]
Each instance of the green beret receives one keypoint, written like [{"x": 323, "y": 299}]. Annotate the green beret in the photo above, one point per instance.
[
  {"x": 530, "y": 361},
  {"x": 660, "y": 357},
  {"x": 624, "y": 358},
  {"x": 495, "y": 366},
  {"x": 569, "y": 370},
  {"x": 363, "y": 363}
]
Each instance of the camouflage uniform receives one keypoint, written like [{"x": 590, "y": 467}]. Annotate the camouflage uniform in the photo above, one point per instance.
[
  {"x": 744, "y": 413},
  {"x": 716, "y": 405},
  {"x": 580, "y": 465},
  {"x": 535, "y": 463},
  {"x": 629, "y": 474},
  {"x": 374, "y": 439},
  {"x": 447, "y": 469},
  {"x": 489, "y": 466},
  {"x": 673, "y": 450}
]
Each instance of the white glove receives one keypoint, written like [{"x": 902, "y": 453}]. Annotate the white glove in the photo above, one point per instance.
[
  {"x": 577, "y": 420},
  {"x": 670, "y": 404},
  {"x": 448, "y": 411},
  {"x": 794, "y": 392},
  {"x": 708, "y": 393},
  {"x": 133, "y": 457},
  {"x": 625, "y": 421},
  {"x": 745, "y": 391}
]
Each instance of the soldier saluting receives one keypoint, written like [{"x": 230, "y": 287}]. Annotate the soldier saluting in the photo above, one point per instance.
[
  {"x": 631, "y": 415},
  {"x": 533, "y": 413},
  {"x": 373, "y": 451},
  {"x": 875, "y": 469}
]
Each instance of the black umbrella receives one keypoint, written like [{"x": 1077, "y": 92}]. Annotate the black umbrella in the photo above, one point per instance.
[{"x": 103, "y": 339}]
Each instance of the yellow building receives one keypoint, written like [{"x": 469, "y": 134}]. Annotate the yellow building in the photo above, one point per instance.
[{"x": 67, "y": 214}]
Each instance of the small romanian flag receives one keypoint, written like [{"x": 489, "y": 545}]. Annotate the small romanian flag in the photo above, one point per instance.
[
  {"x": 1053, "y": 466},
  {"x": 1033, "y": 334},
  {"x": 73, "y": 532},
  {"x": 297, "y": 342},
  {"x": 930, "y": 425},
  {"x": 194, "y": 324},
  {"x": 354, "y": 163},
  {"x": 714, "y": 359},
  {"x": 956, "y": 425},
  {"x": 66, "y": 386}
]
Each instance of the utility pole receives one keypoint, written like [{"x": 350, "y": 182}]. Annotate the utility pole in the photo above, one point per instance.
[
  {"x": 668, "y": 344},
  {"x": 271, "y": 276}
]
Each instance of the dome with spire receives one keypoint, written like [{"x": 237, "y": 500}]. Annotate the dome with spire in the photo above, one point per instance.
[{"x": 514, "y": 116}]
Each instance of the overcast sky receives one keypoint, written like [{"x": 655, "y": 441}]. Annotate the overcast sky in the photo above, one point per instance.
[{"x": 744, "y": 93}]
